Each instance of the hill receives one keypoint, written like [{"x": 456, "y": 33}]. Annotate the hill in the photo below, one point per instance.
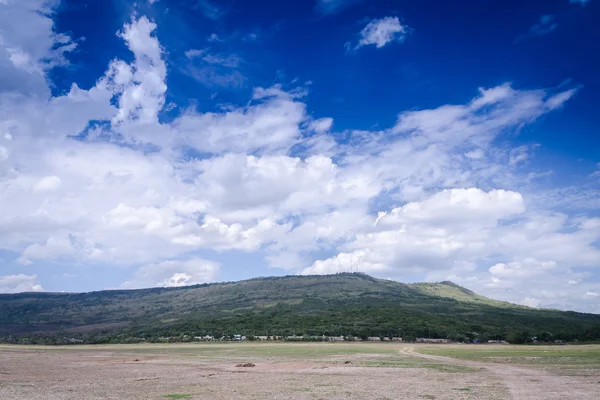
[{"x": 341, "y": 304}]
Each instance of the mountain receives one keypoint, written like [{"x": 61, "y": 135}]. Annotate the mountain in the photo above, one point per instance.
[{"x": 341, "y": 304}]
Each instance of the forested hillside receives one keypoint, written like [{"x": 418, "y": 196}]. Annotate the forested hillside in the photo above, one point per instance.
[{"x": 342, "y": 304}]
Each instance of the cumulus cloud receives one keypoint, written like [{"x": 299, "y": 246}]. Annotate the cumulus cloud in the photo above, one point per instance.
[
  {"x": 19, "y": 283},
  {"x": 380, "y": 32},
  {"x": 141, "y": 84},
  {"x": 428, "y": 235},
  {"x": 269, "y": 124},
  {"x": 174, "y": 273}
]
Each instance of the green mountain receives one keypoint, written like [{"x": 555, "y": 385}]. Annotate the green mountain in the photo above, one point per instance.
[{"x": 341, "y": 304}]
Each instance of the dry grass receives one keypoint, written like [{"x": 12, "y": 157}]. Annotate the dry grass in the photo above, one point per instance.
[{"x": 282, "y": 371}]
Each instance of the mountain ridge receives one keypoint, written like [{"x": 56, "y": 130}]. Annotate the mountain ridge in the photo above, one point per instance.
[{"x": 346, "y": 303}]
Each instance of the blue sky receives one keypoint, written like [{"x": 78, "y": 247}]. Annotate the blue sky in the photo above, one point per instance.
[{"x": 163, "y": 143}]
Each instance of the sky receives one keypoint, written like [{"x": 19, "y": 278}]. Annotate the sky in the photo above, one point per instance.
[{"x": 168, "y": 143}]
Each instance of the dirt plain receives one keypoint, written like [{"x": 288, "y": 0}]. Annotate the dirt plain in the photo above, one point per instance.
[{"x": 297, "y": 371}]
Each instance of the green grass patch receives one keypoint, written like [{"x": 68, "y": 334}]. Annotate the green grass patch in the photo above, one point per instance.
[
  {"x": 463, "y": 389},
  {"x": 564, "y": 355},
  {"x": 246, "y": 351}
]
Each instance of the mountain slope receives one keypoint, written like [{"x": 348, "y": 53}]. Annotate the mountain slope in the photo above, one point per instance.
[
  {"x": 348, "y": 304},
  {"x": 451, "y": 290}
]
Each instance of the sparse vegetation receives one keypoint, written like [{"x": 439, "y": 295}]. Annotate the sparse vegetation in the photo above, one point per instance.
[
  {"x": 563, "y": 355},
  {"x": 307, "y": 371}
]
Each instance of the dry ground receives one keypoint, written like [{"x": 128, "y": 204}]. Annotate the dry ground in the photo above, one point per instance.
[{"x": 294, "y": 371}]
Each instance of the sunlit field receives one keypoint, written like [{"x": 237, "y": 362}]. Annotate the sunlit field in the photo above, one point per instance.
[{"x": 299, "y": 371}]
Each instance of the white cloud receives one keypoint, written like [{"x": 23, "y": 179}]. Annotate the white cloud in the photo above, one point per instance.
[
  {"x": 193, "y": 53},
  {"x": 32, "y": 44},
  {"x": 55, "y": 247},
  {"x": 518, "y": 155},
  {"x": 230, "y": 60},
  {"x": 142, "y": 84},
  {"x": 596, "y": 173},
  {"x": 215, "y": 69},
  {"x": 530, "y": 302},
  {"x": 174, "y": 273},
  {"x": 428, "y": 235},
  {"x": 214, "y": 38},
  {"x": 380, "y": 32},
  {"x": 47, "y": 183},
  {"x": 19, "y": 283},
  {"x": 321, "y": 125},
  {"x": 521, "y": 269},
  {"x": 4, "y": 153},
  {"x": 214, "y": 77},
  {"x": 268, "y": 125},
  {"x": 30, "y": 47},
  {"x": 346, "y": 262},
  {"x": 594, "y": 294},
  {"x": 476, "y": 154}
]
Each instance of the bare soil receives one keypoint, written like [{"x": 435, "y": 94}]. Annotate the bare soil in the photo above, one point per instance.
[{"x": 86, "y": 372}]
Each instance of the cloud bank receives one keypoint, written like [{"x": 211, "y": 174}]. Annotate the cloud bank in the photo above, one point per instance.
[{"x": 94, "y": 177}]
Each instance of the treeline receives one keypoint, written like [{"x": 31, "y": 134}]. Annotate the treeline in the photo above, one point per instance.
[
  {"x": 521, "y": 337},
  {"x": 253, "y": 326}
]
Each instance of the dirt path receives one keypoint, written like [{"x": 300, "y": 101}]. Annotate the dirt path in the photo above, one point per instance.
[{"x": 526, "y": 383}]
